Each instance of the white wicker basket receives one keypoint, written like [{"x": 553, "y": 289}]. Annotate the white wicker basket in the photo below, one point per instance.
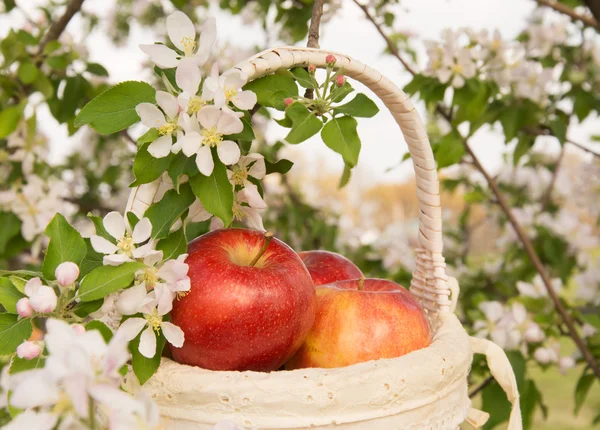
[{"x": 426, "y": 389}]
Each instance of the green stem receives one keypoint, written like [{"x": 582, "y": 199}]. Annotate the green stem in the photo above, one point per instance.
[{"x": 92, "y": 416}]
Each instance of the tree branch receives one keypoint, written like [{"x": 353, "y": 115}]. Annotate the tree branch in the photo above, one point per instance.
[
  {"x": 594, "y": 6},
  {"x": 313, "y": 35},
  {"x": 502, "y": 202},
  {"x": 547, "y": 196},
  {"x": 59, "y": 26},
  {"x": 586, "y": 149},
  {"x": 558, "y": 7},
  {"x": 481, "y": 386}
]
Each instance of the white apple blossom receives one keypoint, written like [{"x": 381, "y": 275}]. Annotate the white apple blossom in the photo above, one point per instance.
[
  {"x": 566, "y": 363},
  {"x": 536, "y": 288},
  {"x": 545, "y": 355},
  {"x": 66, "y": 273},
  {"x": 246, "y": 209},
  {"x": 588, "y": 330},
  {"x": 450, "y": 62},
  {"x": 227, "y": 88},
  {"x": 531, "y": 81},
  {"x": 215, "y": 124},
  {"x": 182, "y": 33},
  {"x": 544, "y": 36},
  {"x": 27, "y": 147},
  {"x": 29, "y": 350},
  {"x": 188, "y": 77},
  {"x": 128, "y": 241},
  {"x": 151, "y": 322},
  {"x": 108, "y": 313},
  {"x": 41, "y": 298},
  {"x": 32, "y": 420},
  {"x": 165, "y": 123},
  {"x": 24, "y": 308},
  {"x": 249, "y": 165}
]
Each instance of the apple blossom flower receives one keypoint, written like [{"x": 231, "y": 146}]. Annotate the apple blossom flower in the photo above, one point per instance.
[
  {"x": 42, "y": 298},
  {"x": 228, "y": 88},
  {"x": 108, "y": 312},
  {"x": 534, "y": 334},
  {"x": 546, "y": 355},
  {"x": 28, "y": 350},
  {"x": 215, "y": 124},
  {"x": 588, "y": 330},
  {"x": 26, "y": 147},
  {"x": 182, "y": 33},
  {"x": 125, "y": 249},
  {"x": 66, "y": 273},
  {"x": 536, "y": 288},
  {"x": 165, "y": 123},
  {"x": 151, "y": 322},
  {"x": 248, "y": 165},
  {"x": 24, "y": 308},
  {"x": 188, "y": 77},
  {"x": 340, "y": 80},
  {"x": 330, "y": 59},
  {"x": 31, "y": 419},
  {"x": 565, "y": 363},
  {"x": 78, "y": 329},
  {"x": 531, "y": 81}
]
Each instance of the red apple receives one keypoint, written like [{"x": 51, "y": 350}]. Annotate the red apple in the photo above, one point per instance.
[
  {"x": 326, "y": 267},
  {"x": 362, "y": 320},
  {"x": 238, "y": 315}
]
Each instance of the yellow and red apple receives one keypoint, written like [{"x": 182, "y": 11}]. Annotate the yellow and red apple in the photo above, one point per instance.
[
  {"x": 326, "y": 267},
  {"x": 250, "y": 306},
  {"x": 361, "y": 320}
]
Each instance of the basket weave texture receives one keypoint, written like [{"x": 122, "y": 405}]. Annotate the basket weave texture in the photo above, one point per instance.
[{"x": 426, "y": 389}]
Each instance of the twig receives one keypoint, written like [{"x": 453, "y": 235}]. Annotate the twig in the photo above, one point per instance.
[
  {"x": 391, "y": 45},
  {"x": 313, "y": 35},
  {"x": 559, "y": 7},
  {"x": 547, "y": 196},
  {"x": 59, "y": 26},
  {"x": 594, "y": 6},
  {"x": 481, "y": 386},
  {"x": 501, "y": 200},
  {"x": 580, "y": 146}
]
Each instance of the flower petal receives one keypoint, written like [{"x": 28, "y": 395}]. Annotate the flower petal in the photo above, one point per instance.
[
  {"x": 164, "y": 299},
  {"x": 32, "y": 420},
  {"x": 168, "y": 103},
  {"x": 142, "y": 231},
  {"x": 148, "y": 343},
  {"x": 114, "y": 224},
  {"x": 115, "y": 259},
  {"x": 32, "y": 286},
  {"x": 161, "y": 147},
  {"x": 173, "y": 270},
  {"x": 229, "y": 124},
  {"x": 208, "y": 116},
  {"x": 35, "y": 390},
  {"x": 204, "y": 161},
  {"x": 252, "y": 218},
  {"x": 208, "y": 35},
  {"x": 150, "y": 115},
  {"x": 173, "y": 334},
  {"x": 162, "y": 56},
  {"x": 197, "y": 212},
  {"x": 188, "y": 76},
  {"x": 244, "y": 100},
  {"x": 131, "y": 328},
  {"x": 180, "y": 27},
  {"x": 131, "y": 299},
  {"x": 229, "y": 152},
  {"x": 102, "y": 245},
  {"x": 44, "y": 300},
  {"x": 251, "y": 196},
  {"x": 190, "y": 143},
  {"x": 258, "y": 169}
]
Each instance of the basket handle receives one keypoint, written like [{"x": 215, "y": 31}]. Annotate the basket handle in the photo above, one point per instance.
[
  {"x": 502, "y": 372},
  {"x": 429, "y": 281}
]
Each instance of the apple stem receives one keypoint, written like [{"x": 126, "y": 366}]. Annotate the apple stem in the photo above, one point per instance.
[
  {"x": 265, "y": 245},
  {"x": 361, "y": 284}
]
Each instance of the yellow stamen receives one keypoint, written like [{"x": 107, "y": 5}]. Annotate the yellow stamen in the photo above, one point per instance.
[
  {"x": 240, "y": 175},
  {"x": 63, "y": 405},
  {"x": 194, "y": 105},
  {"x": 154, "y": 321},
  {"x": 211, "y": 137},
  {"x": 189, "y": 45},
  {"x": 126, "y": 245},
  {"x": 150, "y": 277},
  {"x": 169, "y": 128},
  {"x": 230, "y": 93},
  {"x": 181, "y": 294},
  {"x": 458, "y": 69}
]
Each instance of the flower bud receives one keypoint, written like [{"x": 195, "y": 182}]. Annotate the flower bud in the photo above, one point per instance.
[
  {"x": 330, "y": 60},
  {"x": 534, "y": 333},
  {"x": 24, "y": 309},
  {"x": 312, "y": 68},
  {"x": 543, "y": 355},
  {"x": 66, "y": 274},
  {"x": 340, "y": 80},
  {"x": 44, "y": 300},
  {"x": 566, "y": 363},
  {"x": 78, "y": 329},
  {"x": 28, "y": 350},
  {"x": 288, "y": 101}
]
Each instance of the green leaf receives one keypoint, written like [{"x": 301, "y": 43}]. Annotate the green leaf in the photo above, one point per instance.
[
  {"x": 106, "y": 332},
  {"x": 272, "y": 90},
  {"x": 9, "y": 295},
  {"x": 99, "y": 226},
  {"x": 83, "y": 309},
  {"x": 114, "y": 109},
  {"x": 340, "y": 135},
  {"x": 9, "y": 119},
  {"x": 165, "y": 212},
  {"x": 346, "y": 174},
  {"x": 559, "y": 127},
  {"x": 583, "y": 104},
  {"x": 91, "y": 260},
  {"x": 510, "y": 120},
  {"x": 247, "y": 133},
  {"x": 21, "y": 364},
  {"x": 181, "y": 165},
  {"x": 144, "y": 367},
  {"x": 339, "y": 93},
  {"x": 471, "y": 99},
  {"x": 104, "y": 280},
  {"x": 303, "y": 77},
  {"x": 146, "y": 168},
  {"x": 282, "y": 166},
  {"x": 414, "y": 86},
  {"x": 66, "y": 244},
  {"x": 11, "y": 227},
  {"x": 215, "y": 192},
  {"x": 304, "y": 123},
  {"x": 27, "y": 72},
  {"x": 524, "y": 144},
  {"x": 173, "y": 245},
  {"x": 13, "y": 332},
  {"x": 582, "y": 389},
  {"x": 97, "y": 69},
  {"x": 71, "y": 97},
  {"x": 360, "y": 106},
  {"x": 148, "y": 137},
  {"x": 132, "y": 219},
  {"x": 58, "y": 62}
]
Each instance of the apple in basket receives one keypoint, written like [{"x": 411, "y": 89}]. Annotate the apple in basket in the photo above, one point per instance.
[
  {"x": 360, "y": 320},
  {"x": 250, "y": 306},
  {"x": 326, "y": 267}
]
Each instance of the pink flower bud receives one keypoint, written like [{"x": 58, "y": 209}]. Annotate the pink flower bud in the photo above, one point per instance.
[
  {"x": 28, "y": 350},
  {"x": 78, "y": 329},
  {"x": 566, "y": 363},
  {"x": 340, "y": 80},
  {"x": 44, "y": 300},
  {"x": 312, "y": 68},
  {"x": 288, "y": 101},
  {"x": 330, "y": 60},
  {"x": 24, "y": 309},
  {"x": 66, "y": 273}
]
